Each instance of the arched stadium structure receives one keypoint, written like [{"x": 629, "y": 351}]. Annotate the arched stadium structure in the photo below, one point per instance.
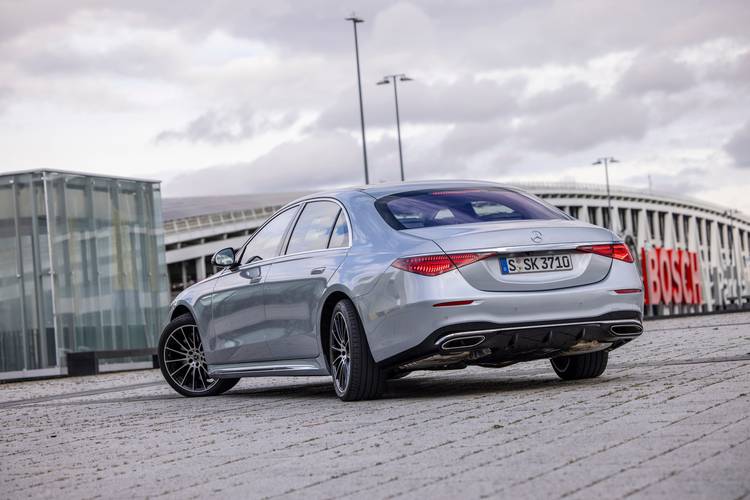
[{"x": 694, "y": 255}]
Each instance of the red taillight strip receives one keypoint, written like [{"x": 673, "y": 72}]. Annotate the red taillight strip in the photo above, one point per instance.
[
  {"x": 434, "y": 265},
  {"x": 426, "y": 265},
  {"x": 628, "y": 290},
  {"x": 464, "y": 259},
  {"x": 617, "y": 251}
]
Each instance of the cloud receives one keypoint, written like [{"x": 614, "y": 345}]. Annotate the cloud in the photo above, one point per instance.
[
  {"x": 228, "y": 126},
  {"x": 586, "y": 125},
  {"x": 5, "y": 95},
  {"x": 21, "y": 17},
  {"x": 659, "y": 73},
  {"x": 319, "y": 160},
  {"x": 738, "y": 146},
  {"x": 265, "y": 92},
  {"x": 130, "y": 60},
  {"x": 736, "y": 71},
  {"x": 554, "y": 99},
  {"x": 420, "y": 102},
  {"x": 468, "y": 139},
  {"x": 686, "y": 181}
]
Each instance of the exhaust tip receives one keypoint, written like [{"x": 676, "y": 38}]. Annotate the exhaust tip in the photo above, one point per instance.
[
  {"x": 629, "y": 329},
  {"x": 462, "y": 343}
]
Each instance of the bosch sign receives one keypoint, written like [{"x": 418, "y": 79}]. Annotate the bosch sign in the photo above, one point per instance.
[{"x": 671, "y": 276}]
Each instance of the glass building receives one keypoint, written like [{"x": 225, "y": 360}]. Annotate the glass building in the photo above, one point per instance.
[{"x": 82, "y": 267}]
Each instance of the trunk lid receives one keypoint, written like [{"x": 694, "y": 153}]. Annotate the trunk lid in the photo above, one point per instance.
[{"x": 527, "y": 238}]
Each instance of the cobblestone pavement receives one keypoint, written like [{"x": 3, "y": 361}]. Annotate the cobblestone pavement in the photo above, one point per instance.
[{"x": 669, "y": 418}]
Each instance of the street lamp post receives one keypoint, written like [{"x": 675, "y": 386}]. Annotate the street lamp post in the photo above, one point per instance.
[
  {"x": 606, "y": 161},
  {"x": 355, "y": 20},
  {"x": 385, "y": 81}
]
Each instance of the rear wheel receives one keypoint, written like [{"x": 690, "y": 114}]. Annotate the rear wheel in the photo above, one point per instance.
[
  {"x": 355, "y": 375},
  {"x": 580, "y": 366},
  {"x": 183, "y": 362}
]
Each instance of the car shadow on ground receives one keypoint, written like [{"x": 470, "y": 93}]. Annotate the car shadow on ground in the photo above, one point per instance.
[
  {"x": 425, "y": 387},
  {"x": 443, "y": 387},
  {"x": 414, "y": 387}
]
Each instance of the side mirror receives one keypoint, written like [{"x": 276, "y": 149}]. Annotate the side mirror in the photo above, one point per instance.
[{"x": 223, "y": 258}]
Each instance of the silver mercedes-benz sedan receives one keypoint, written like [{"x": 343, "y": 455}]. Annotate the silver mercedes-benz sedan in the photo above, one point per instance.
[{"x": 368, "y": 284}]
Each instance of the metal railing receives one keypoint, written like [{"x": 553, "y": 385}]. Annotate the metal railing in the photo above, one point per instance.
[
  {"x": 218, "y": 219},
  {"x": 599, "y": 190}
]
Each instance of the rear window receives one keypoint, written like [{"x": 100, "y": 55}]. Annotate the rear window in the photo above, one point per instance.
[{"x": 430, "y": 208}]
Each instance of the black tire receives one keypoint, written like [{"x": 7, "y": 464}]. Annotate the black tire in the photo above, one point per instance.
[
  {"x": 580, "y": 366},
  {"x": 364, "y": 379},
  {"x": 182, "y": 362}
]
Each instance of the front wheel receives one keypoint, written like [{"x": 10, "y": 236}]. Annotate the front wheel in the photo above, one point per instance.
[
  {"x": 355, "y": 375},
  {"x": 580, "y": 366},
  {"x": 183, "y": 362}
]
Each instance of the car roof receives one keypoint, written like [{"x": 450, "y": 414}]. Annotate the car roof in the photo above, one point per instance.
[{"x": 386, "y": 189}]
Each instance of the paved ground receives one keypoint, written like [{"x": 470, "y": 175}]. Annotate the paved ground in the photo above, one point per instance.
[{"x": 670, "y": 418}]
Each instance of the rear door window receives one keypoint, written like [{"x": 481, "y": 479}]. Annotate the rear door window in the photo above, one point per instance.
[
  {"x": 429, "y": 208},
  {"x": 340, "y": 234},
  {"x": 314, "y": 226}
]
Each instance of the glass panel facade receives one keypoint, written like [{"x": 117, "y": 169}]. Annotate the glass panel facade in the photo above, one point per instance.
[{"x": 82, "y": 267}]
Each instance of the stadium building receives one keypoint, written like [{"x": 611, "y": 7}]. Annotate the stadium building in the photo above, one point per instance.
[{"x": 694, "y": 255}]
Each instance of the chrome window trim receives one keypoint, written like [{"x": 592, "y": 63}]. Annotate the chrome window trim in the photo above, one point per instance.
[
  {"x": 304, "y": 204},
  {"x": 282, "y": 257},
  {"x": 292, "y": 256},
  {"x": 283, "y": 238}
]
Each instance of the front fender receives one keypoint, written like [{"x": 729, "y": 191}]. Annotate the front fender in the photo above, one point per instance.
[{"x": 195, "y": 300}]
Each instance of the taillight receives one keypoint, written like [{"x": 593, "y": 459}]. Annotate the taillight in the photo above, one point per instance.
[
  {"x": 434, "y": 265},
  {"x": 617, "y": 251},
  {"x": 464, "y": 259}
]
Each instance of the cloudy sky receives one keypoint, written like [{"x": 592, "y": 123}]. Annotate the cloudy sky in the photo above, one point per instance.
[{"x": 244, "y": 96}]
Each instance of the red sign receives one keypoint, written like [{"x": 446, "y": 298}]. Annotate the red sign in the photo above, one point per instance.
[{"x": 671, "y": 276}]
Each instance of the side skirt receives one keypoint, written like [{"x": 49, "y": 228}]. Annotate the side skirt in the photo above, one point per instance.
[{"x": 282, "y": 368}]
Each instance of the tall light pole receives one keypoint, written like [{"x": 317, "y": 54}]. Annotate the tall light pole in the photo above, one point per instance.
[
  {"x": 606, "y": 161},
  {"x": 355, "y": 20},
  {"x": 385, "y": 81}
]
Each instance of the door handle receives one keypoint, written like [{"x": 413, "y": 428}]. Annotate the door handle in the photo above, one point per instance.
[{"x": 318, "y": 270}]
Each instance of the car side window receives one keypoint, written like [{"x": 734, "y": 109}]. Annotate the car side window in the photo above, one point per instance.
[
  {"x": 340, "y": 234},
  {"x": 266, "y": 243},
  {"x": 313, "y": 228}
]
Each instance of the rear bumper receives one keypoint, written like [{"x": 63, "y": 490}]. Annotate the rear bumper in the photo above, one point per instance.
[
  {"x": 399, "y": 313},
  {"x": 486, "y": 343}
]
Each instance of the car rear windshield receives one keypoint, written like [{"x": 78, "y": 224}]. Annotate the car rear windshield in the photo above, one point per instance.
[{"x": 428, "y": 208}]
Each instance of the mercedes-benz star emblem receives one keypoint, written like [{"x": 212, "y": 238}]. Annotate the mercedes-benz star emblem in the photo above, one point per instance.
[{"x": 536, "y": 236}]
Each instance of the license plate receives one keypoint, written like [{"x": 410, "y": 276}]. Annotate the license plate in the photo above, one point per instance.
[{"x": 539, "y": 264}]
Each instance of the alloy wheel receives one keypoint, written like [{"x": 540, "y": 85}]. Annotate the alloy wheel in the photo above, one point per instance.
[
  {"x": 341, "y": 363},
  {"x": 185, "y": 361}
]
